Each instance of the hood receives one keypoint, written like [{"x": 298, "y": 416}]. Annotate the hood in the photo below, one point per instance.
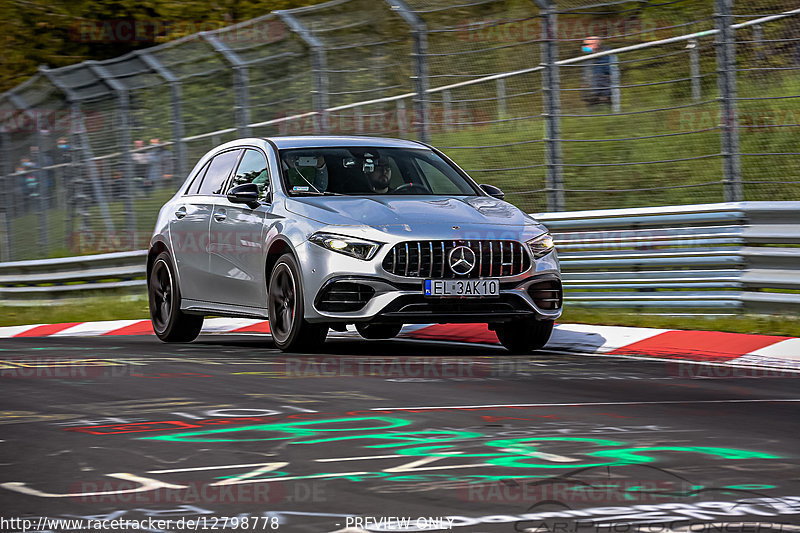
[{"x": 382, "y": 211}]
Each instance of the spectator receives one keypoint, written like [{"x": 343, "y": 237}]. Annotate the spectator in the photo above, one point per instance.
[
  {"x": 141, "y": 166},
  {"x": 596, "y": 74},
  {"x": 62, "y": 151},
  {"x": 155, "y": 174},
  {"x": 28, "y": 181}
]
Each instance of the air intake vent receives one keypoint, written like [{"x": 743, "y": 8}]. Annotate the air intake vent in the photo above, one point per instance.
[
  {"x": 547, "y": 295},
  {"x": 343, "y": 296},
  {"x": 430, "y": 259}
]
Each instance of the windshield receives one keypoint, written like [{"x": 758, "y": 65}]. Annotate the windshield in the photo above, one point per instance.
[{"x": 366, "y": 171}]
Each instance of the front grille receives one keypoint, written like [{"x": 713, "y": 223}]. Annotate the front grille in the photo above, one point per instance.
[
  {"x": 418, "y": 259},
  {"x": 343, "y": 296},
  {"x": 547, "y": 295}
]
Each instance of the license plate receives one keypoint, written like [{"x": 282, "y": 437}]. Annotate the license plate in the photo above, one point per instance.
[{"x": 461, "y": 287}]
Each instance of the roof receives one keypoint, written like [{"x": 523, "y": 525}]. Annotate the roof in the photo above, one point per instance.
[{"x": 320, "y": 141}]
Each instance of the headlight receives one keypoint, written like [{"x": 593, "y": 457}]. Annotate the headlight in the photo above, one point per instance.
[
  {"x": 541, "y": 245},
  {"x": 358, "y": 248}
]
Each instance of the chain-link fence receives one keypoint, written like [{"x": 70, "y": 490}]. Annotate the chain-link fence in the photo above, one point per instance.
[{"x": 566, "y": 104}]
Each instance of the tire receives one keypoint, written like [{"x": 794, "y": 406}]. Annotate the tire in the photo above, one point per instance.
[
  {"x": 523, "y": 336},
  {"x": 378, "y": 331},
  {"x": 289, "y": 329},
  {"x": 169, "y": 322}
]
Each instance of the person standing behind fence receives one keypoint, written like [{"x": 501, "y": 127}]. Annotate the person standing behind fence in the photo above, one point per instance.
[
  {"x": 141, "y": 166},
  {"x": 596, "y": 74},
  {"x": 155, "y": 174}
]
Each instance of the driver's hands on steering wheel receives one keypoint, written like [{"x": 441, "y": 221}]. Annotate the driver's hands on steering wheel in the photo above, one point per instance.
[{"x": 409, "y": 187}]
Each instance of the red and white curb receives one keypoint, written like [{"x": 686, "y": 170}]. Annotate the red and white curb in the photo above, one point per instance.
[{"x": 700, "y": 346}]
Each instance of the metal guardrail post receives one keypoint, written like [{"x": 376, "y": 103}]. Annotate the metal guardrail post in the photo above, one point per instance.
[
  {"x": 420, "y": 55},
  {"x": 241, "y": 82},
  {"x": 179, "y": 154},
  {"x": 124, "y": 108},
  {"x": 319, "y": 69},
  {"x": 726, "y": 80},
  {"x": 551, "y": 94}
]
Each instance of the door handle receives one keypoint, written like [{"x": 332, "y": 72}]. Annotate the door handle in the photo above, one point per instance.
[
  {"x": 221, "y": 215},
  {"x": 180, "y": 212}
]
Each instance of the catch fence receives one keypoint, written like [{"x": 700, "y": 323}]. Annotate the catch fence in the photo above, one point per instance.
[{"x": 678, "y": 102}]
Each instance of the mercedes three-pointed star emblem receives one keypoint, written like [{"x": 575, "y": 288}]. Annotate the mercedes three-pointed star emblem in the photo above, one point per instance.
[{"x": 462, "y": 260}]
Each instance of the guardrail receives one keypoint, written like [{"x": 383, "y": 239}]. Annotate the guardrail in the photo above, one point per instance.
[
  {"x": 742, "y": 256},
  {"x": 730, "y": 256},
  {"x": 26, "y": 282}
]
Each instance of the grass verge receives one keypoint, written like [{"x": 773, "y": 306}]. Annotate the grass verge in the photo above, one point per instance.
[
  {"x": 106, "y": 307},
  {"x": 737, "y": 323}
]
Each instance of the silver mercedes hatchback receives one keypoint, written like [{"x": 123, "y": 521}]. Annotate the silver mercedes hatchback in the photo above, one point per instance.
[{"x": 315, "y": 233}]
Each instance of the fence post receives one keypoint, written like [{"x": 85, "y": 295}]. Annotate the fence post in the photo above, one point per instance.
[
  {"x": 501, "y": 99},
  {"x": 319, "y": 69},
  {"x": 358, "y": 118},
  {"x": 42, "y": 185},
  {"x": 179, "y": 154},
  {"x": 551, "y": 95},
  {"x": 39, "y": 172},
  {"x": 616, "y": 96},
  {"x": 124, "y": 107},
  {"x": 241, "y": 82},
  {"x": 420, "y": 54},
  {"x": 9, "y": 192},
  {"x": 726, "y": 81},
  {"x": 447, "y": 111},
  {"x": 694, "y": 69},
  {"x": 402, "y": 126}
]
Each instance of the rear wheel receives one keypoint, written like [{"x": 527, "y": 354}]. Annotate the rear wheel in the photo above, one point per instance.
[
  {"x": 289, "y": 329},
  {"x": 169, "y": 322},
  {"x": 378, "y": 331},
  {"x": 523, "y": 336}
]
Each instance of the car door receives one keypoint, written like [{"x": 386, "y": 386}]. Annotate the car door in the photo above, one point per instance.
[
  {"x": 189, "y": 229},
  {"x": 237, "y": 238}
]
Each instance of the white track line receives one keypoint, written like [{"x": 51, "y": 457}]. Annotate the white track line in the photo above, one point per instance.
[{"x": 579, "y": 404}]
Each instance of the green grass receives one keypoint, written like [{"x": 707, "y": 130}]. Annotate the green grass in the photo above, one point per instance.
[
  {"x": 106, "y": 307},
  {"x": 740, "y": 323}
]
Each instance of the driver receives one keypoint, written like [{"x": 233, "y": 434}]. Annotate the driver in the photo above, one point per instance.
[{"x": 378, "y": 173}]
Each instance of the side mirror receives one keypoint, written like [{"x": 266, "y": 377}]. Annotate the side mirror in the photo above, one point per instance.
[
  {"x": 493, "y": 191},
  {"x": 246, "y": 193}
]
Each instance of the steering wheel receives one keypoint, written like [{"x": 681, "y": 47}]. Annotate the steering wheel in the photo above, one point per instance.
[{"x": 407, "y": 188}]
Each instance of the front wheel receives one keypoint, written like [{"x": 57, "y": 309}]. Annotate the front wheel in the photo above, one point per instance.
[
  {"x": 289, "y": 329},
  {"x": 378, "y": 331},
  {"x": 523, "y": 336},
  {"x": 169, "y": 322}
]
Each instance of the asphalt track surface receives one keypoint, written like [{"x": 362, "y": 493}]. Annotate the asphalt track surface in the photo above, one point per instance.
[{"x": 227, "y": 433}]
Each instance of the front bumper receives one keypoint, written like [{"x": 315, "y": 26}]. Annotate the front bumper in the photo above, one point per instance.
[{"x": 396, "y": 299}]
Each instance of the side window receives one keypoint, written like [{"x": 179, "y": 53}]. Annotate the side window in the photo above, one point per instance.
[
  {"x": 253, "y": 169},
  {"x": 218, "y": 172},
  {"x": 198, "y": 178}
]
